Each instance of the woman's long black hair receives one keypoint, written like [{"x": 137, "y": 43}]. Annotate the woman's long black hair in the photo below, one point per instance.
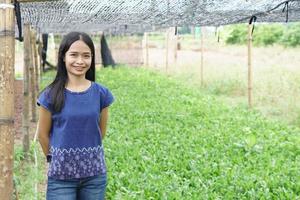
[{"x": 57, "y": 87}]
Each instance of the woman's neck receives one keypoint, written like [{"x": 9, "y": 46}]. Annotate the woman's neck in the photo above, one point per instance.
[{"x": 77, "y": 83}]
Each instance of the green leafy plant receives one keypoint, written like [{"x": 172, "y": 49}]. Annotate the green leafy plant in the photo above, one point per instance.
[{"x": 264, "y": 34}]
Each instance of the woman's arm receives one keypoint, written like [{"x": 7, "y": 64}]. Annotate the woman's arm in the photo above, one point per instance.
[
  {"x": 43, "y": 128},
  {"x": 103, "y": 121}
]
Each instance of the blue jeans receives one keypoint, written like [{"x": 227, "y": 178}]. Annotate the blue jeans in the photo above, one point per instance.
[{"x": 90, "y": 188}]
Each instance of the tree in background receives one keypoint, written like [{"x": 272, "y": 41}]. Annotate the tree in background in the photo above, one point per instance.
[
  {"x": 265, "y": 34},
  {"x": 268, "y": 34},
  {"x": 291, "y": 36}
]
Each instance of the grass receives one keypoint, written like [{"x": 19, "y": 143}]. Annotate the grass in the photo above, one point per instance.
[
  {"x": 26, "y": 175},
  {"x": 275, "y": 75},
  {"x": 169, "y": 140}
]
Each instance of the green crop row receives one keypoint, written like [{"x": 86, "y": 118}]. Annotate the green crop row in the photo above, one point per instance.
[{"x": 169, "y": 141}]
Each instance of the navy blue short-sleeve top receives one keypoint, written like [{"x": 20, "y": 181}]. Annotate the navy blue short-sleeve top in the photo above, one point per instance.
[{"x": 75, "y": 135}]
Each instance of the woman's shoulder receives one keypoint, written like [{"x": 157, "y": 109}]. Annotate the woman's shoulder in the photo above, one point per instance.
[
  {"x": 103, "y": 90},
  {"x": 45, "y": 92},
  {"x": 100, "y": 86}
]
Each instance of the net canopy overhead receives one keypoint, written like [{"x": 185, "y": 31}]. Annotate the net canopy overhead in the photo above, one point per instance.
[{"x": 122, "y": 16}]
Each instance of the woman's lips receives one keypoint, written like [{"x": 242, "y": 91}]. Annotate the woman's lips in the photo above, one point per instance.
[{"x": 79, "y": 68}]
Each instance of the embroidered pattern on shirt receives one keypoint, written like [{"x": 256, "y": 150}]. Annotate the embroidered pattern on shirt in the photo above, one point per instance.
[{"x": 76, "y": 163}]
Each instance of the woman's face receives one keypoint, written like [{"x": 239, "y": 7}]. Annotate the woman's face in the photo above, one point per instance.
[{"x": 78, "y": 59}]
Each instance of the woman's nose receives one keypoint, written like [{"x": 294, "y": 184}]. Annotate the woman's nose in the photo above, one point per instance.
[{"x": 79, "y": 59}]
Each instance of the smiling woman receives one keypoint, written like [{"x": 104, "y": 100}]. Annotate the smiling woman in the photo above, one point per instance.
[
  {"x": 70, "y": 136},
  {"x": 78, "y": 59}
]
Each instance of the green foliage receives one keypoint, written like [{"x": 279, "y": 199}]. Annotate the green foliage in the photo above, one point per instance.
[
  {"x": 167, "y": 141},
  {"x": 291, "y": 36},
  {"x": 26, "y": 175},
  {"x": 228, "y": 87},
  {"x": 18, "y": 155},
  {"x": 268, "y": 34},
  {"x": 237, "y": 34},
  {"x": 265, "y": 34},
  {"x": 297, "y": 118}
]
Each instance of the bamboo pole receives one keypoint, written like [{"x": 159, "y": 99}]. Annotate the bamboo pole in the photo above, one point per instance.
[
  {"x": 40, "y": 49},
  {"x": 167, "y": 50},
  {"x": 37, "y": 65},
  {"x": 31, "y": 77},
  {"x": 146, "y": 49},
  {"x": 175, "y": 46},
  {"x": 202, "y": 56},
  {"x": 99, "y": 45},
  {"x": 34, "y": 78},
  {"x": 250, "y": 84},
  {"x": 7, "y": 54},
  {"x": 26, "y": 86}
]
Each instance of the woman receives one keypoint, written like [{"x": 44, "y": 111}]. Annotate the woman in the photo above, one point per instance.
[{"x": 73, "y": 115}]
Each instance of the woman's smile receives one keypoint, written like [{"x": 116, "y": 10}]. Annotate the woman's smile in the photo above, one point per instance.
[{"x": 78, "y": 58}]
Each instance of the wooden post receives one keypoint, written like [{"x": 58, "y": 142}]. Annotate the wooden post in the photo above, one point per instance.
[
  {"x": 31, "y": 77},
  {"x": 147, "y": 49},
  {"x": 7, "y": 55},
  {"x": 36, "y": 65},
  {"x": 40, "y": 48},
  {"x": 26, "y": 78},
  {"x": 202, "y": 55},
  {"x": 34, "y": 75},
  {"x": 99, "y": 45},
  {"x": 250, "y": 85},
  {"x": 175, "y": 46},
  {"x": 167, "y": 50}
]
